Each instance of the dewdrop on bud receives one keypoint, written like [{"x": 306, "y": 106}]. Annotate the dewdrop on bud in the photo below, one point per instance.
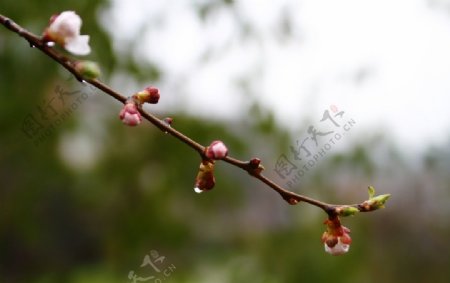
[
  {"x": 216, "y": 150},
  {"x": 168, "y": 121},
  {"x": 205, "y": 179}
]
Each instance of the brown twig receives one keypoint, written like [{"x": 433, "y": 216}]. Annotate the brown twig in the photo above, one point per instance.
[{"x": 255, "y": 171}]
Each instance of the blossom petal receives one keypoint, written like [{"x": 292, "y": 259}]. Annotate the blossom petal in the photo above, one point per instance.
[
  {"x": 78, "y": 45},
  {"x": 130, "y": 115},
  {"x": 66, "y": 24},
  {"x": 64, "y": 29},
  {"x": 131, "y": 119},
  {"x": 338, "y": 249}
]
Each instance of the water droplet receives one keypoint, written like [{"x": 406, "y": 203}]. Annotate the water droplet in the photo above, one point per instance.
[
  {"x": 168, "y": 120},
  {"x": 50, "y": 44},
  {"x": 293, "y": 201},
  {"x": 197, "y": 190}
]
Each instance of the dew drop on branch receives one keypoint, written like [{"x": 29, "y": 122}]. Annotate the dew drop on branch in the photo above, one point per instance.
[
  {"x": 168, "y": 121},
  {"x": 197, "y": 190}
]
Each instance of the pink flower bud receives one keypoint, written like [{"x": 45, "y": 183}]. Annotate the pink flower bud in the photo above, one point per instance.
[
  {"x": 205, "y": 179},
  {"x": 153, "y": 94},
  {"x": 130, "y": 115},
  {"x": 216, "y": 150},
  {"x": 148, "y": 95},
  {"x": 337, "y": 238},
  {"x": 64, "y": 29}
]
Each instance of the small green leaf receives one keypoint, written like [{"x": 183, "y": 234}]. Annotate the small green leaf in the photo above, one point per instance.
[{"x": 371, "y": 192}]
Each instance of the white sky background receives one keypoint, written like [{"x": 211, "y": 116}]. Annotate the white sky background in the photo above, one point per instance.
[{"x": 386, "y": 63}]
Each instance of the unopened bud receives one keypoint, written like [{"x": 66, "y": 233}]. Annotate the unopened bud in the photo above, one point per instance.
[
  {"x": 205, "y": 179},
  {"x": 129, "y": 114},
  {"x": 148, "y": 95},
  {"x": 347, "y": 210},
  {"x": 255, "y": 164},
  {"x": 376, "y": 202},
  {"x": 88, "y": 69},
  {"x": 216, "y": 150}
]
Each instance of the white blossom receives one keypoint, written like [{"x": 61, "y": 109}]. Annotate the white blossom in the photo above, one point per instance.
[
  {"x": 339, "y": 249},
  {"x": 64, "y": 29}
]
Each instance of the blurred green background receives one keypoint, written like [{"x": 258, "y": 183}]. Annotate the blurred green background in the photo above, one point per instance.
[{"x": 85, "y": 199}]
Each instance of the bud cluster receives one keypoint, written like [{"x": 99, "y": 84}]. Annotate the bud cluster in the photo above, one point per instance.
[
  {"x": 130, "y": 114},
  {"x": 205, "y": 179}
]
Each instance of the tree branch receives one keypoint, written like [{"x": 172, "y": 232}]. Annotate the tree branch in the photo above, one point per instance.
[{"x": 253, "y": 166}]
